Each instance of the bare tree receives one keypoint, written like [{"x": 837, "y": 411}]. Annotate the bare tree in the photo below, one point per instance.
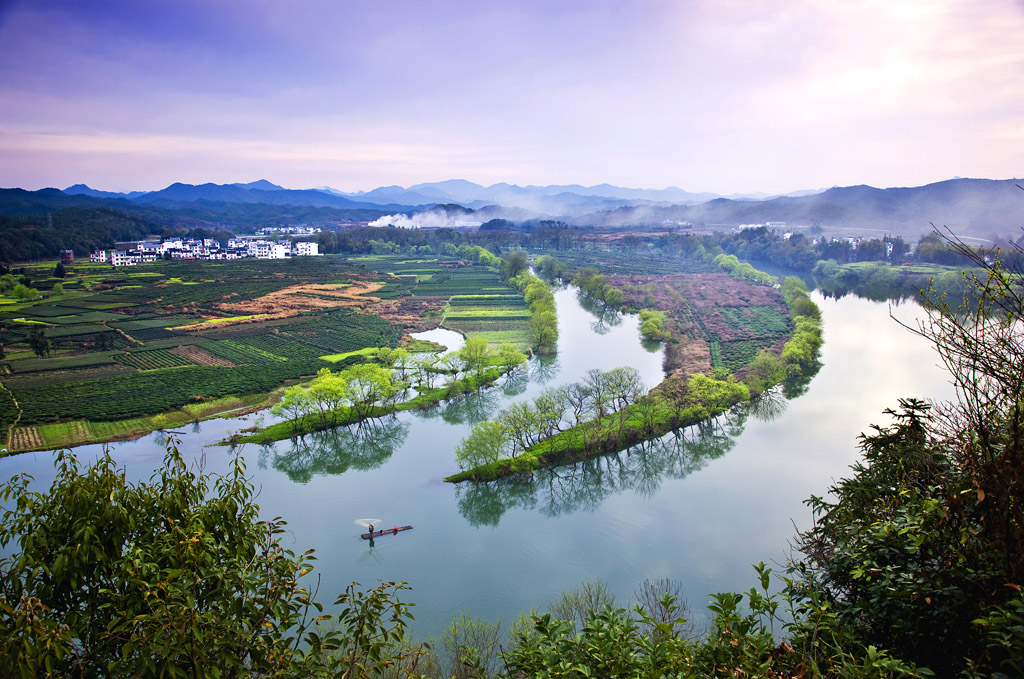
[{"x": 663, "y": 602}]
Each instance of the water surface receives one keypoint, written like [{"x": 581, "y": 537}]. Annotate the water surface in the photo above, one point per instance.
[{"x": 698, "y": 506}]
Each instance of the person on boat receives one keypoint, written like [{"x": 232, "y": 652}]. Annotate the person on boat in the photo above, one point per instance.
[
  {"x": 371, "y": 530},
  {"x": 396, "y": 530}
]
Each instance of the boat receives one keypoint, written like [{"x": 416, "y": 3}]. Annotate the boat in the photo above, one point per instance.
[{"x": 380, "y": 533}]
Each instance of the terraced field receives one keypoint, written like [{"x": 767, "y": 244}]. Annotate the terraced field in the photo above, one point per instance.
[
  {"x": 179, "y": 335},
  {"x": 497, "y": 316}
]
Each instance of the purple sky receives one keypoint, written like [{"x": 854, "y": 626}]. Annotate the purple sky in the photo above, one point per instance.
[{"x": 708, "y": 95}]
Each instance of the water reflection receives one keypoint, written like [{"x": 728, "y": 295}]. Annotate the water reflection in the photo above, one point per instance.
[
  {"x": 797, "y": 386},
  {"x": 362, "y": 446},
  {"x": 605, "y": 318},
  {"x": 583, "y": 486},
  {"x": 471, "y": 408},
  {"x": 769, "y": 406},
  {"x": 516, "y": 382},
  {"x": 543, "y": 369}
]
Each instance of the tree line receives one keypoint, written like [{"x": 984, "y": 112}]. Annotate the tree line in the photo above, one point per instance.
[{"x": 374, "y": 387}]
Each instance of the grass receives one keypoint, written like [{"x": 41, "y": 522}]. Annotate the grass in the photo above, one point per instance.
[
  {"x": 520, "y": 338},
  {"x": 334, "y": 358},
  {"x": 421, "y": 346},
  {"x": 218, "y": 407},
  {"x": 213, "y": 321}
]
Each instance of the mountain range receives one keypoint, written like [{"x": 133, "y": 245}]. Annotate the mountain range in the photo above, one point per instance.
[{"x": 973, "y": 207}]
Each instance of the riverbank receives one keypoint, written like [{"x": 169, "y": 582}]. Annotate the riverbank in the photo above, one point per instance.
[
  {"x": 676, "y": 402},
  {"x": 57, "y": 435},
  {"x": 671, "y": 405},
  {"x": 347, "y": 415}
]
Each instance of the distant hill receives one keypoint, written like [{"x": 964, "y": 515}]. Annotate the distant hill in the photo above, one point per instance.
[
  {"x": 978, "y": 208},
  {"x": 21, "y": 202},
  {"x": 261, "y": 184},
  {"x": 82, "y": 189},
  {"x": 556, "y": 200},
  {"x": 180, "y": 195},
  {"x": 82, "y": 229},
  {"x": 971, "y": 207}
]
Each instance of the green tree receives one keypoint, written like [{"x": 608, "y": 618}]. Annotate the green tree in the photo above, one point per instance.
[
  {"x": 764, "y": 371},
  {"x": 652, "y": 324},
  {"x": 40, "y": 343},
  {"x": 328, "y": 392},
  {"x": 368, "y": 385},
  {"x": 294, "y": 404},
  {"x": 22, "y": 291},
  {"x": 486, "y": 443},
  {"x": 544, "y": 331},
  {"x": 474, "y": 354},
  {"x": 513, "y": 264},
  {"x": 509, "y": 357},
  {"x": 59, "y": 271},
  {"x": 174, "y": 577}
]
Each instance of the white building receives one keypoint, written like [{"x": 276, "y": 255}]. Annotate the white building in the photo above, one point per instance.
[
  {"x": 267, "y": 250},
  {"x": 304, "y": 249},
  {"x": 123, "y": 258}
]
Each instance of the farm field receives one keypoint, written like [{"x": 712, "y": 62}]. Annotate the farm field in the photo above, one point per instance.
[
  {"x": 494, "y": 315},
  {"x": 720, "y": 321},
  {"x": 176, "y": 341}
]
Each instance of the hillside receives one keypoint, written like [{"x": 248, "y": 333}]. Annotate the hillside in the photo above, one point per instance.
[{"x": 971, "y": 207}]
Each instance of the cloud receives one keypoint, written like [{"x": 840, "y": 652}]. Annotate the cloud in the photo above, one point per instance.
[{"x": 437, "y": 217}]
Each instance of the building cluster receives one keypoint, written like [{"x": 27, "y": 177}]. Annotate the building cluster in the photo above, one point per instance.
[
  {"x": 288, "y": 230},
  {"x": 141, "y": 252}
]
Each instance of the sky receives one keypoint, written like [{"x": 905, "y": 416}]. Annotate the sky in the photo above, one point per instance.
[{"x": 725, "y": 96}]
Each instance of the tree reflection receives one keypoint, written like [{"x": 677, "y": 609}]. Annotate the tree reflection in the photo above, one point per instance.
[
  {"x": 471, "y": 408},
  {"x": 605, "y": 317},
  {"x": 362, "y": 446},
  {"x": 543, "y": 369},
  {"x": 769, "y": 406},
  {"x": 483, "y": 504},
  {"x": 797, "y": 386},
  {"x": 583, "y": 486},
  {"x": 515, "y": 383}
]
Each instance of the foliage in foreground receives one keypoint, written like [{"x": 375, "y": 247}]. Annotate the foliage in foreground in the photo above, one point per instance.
[{"x": 172, "y": 577}]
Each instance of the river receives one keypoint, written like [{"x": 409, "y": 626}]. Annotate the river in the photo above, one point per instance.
[{"x": 699, "y": 506}]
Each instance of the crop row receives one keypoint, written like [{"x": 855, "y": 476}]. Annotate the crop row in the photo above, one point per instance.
[
  {"x": 63, "y": 362},
  {"x": 274, "y": 345},
  {"x": 395, "y": 287},
  {"x": 8, "y": 414},
  {"x": 161, "y": 322},
  {"x": 485, "y": 316},
  {"x": 486, "y": 326},
  {"x": 153, "y": 333},
  {"x": 515, "y": 301},
  {"x": 46, "y": 311},
  {"x": 153, "y": 359},
  {"x": 235, "y": 352},
  {"x": 755, "y": 321},
  {"x": 146, "y": 393},
  {"x": 736, "y": 355},
  {"x": 256, "y": 354}
]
